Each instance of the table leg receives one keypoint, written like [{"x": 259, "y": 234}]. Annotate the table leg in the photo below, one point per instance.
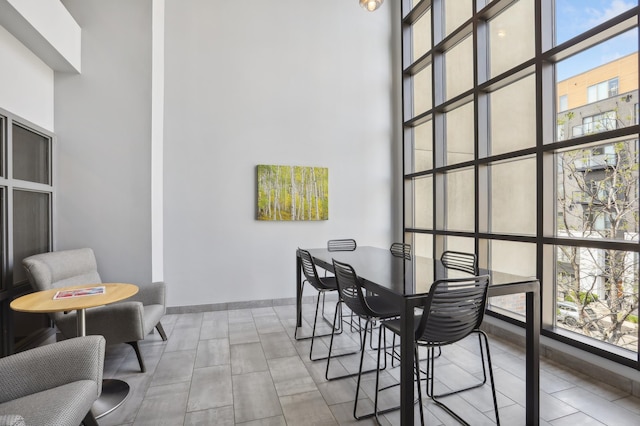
[
  {"x": 81, "y": 323},
  {"x": 533, "y": 357},
  {"x": 298, "y": 291},
  {"x": 406, "y": 365},
  {"x": 114, "y": 391}
]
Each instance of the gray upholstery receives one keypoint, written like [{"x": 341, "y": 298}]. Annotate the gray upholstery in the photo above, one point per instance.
[
  {"x": 54, "y": 384},
  {"x": 12, "y": 420},
  {"x": 123, "y": 322}
]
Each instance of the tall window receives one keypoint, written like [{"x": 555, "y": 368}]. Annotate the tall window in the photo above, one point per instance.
[
  {"x": 523, "y": 148},
  {"x": 26, "y": 192}
]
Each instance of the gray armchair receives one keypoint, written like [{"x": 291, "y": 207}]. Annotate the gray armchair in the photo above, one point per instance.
[
  {"x": 54, "y": 384},
  {"x": 124, "y": 322}
]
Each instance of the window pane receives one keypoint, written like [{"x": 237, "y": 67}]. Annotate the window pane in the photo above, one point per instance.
[
  {"x": 597, "y": 294},
  {"x": 513, "y": 258},
  {"x": 592, "y": 94},
  {"x": 512, "y": 203},
  {"x": 459, "y": 134},
  {"x": 423, "y": 203},
  {"x": 513, "y": 116},
  {"x": 456, "y": 12},
  {"x": 30, "y": 156},
  {"x": 459, "y": 68},
  {"x": 598, "y": 192},
  {"x": 421, "y": 35},
  {"x": 423, "y": 246},
  {"x": 462, "y": 244},
  {"x": 3, "y": 276},
  {"x": 422, "y": 91},
  {"x": 603, "y": 92},
  {"x": 423, "y": 147},
  {"x": 31, "y": 229},
  {"x": 3, "y": 123},
  {"x": 563, "y": 104},
  {"x": 512, "y": 27},
  {"x": 575, "y": 17},
  {"x": 588, "y": 80},
  {"x": 460, "y": 200}
]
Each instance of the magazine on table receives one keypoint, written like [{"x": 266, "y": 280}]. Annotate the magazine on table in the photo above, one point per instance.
[{"x": 80, "y": 292}]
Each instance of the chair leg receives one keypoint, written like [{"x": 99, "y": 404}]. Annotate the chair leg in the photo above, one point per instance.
[
  {"x": 376, "y": 412},
  {"x": 484, "y": 371},
  {"x": 161, "y": 332},
  {"x": 89, "y": 419},
  {"x": 435, "y": 398},
  {"x": 313, "y": 334},
  {"x": 417, "y": 364},
  {"x": 329, "y": 356},
  {"x": 360, "y": 373},
  {"x": 136, "y": 348},
  {"x": 493, "y": 385},
  {"x": 375, "y": 400}
]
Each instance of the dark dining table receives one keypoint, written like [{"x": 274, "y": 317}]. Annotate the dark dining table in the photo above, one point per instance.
[{"x": 405, "y": 282}]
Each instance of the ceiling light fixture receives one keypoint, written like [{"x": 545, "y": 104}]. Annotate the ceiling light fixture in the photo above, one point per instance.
[{"x": 370, "y": 5}]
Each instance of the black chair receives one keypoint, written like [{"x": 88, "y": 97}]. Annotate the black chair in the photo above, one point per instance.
[
  {"x": 322, "y": 286},
  {"x": 452, "y": 310},
  {"x": 460, "y": 261},
  {"x": 368, "y": 308},
  {"x": 344, "y": 244},
  {"x": 401, "y": 250}
]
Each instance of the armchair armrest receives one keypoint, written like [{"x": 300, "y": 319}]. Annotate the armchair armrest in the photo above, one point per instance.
[
  {"x": 12, "y": 420},
  {"x": 150, "y": 293},
  {"x": 52, "y": 365},
  {"x": 118, "y": 322}
]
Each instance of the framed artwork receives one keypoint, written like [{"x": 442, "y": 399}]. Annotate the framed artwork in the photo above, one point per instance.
[{"x": 292, "y": 193}]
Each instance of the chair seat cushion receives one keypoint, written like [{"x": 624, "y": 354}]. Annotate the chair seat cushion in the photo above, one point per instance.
[{"x": 64, "y": 405}]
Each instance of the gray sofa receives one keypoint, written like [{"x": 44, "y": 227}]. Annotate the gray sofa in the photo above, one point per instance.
[
  {"x": 53, "y": 385},
  {"x": 124, "y": 322}
]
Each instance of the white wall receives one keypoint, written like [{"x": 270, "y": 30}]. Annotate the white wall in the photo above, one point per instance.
[
  {"x": 103, "y": 123},
  {"x": 26, "y": 83},
  {"x": 288, "y": 82},
  {"x": 246, "y": 83}
]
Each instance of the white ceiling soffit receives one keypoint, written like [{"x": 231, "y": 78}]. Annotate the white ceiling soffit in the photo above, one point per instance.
[{"x": 47, "y": 29}]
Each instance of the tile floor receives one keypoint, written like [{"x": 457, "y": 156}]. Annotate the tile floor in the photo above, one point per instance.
[{"x": 243, "y": 367}]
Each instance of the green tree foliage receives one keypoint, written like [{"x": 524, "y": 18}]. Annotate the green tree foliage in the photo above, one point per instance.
[{"x": 293, "y": 193}]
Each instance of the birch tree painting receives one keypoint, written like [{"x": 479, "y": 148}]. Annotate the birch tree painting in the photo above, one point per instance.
[{"x": 293, "y": 193}]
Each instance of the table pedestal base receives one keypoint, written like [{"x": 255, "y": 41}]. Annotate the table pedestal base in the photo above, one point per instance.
[{"x": 114, "y": 392}]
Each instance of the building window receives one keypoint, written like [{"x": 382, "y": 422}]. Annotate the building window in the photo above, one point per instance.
[
  {"x": 602, "y": 90},
  {"x": 486, "y": 110},
  {"x": 596, "y": 123},
  {"x": 563, "y": 103}
]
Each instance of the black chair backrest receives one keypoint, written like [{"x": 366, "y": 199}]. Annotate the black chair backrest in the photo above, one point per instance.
[
  {"x": 350, "y": 289},
  {"x": 453, "y": 309},
  {"x": 309, "y": 269},
  {"x": 401, "y": 250},
  {"x": 460, "y": 261},
  {"x": 345, "y": 244}
]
